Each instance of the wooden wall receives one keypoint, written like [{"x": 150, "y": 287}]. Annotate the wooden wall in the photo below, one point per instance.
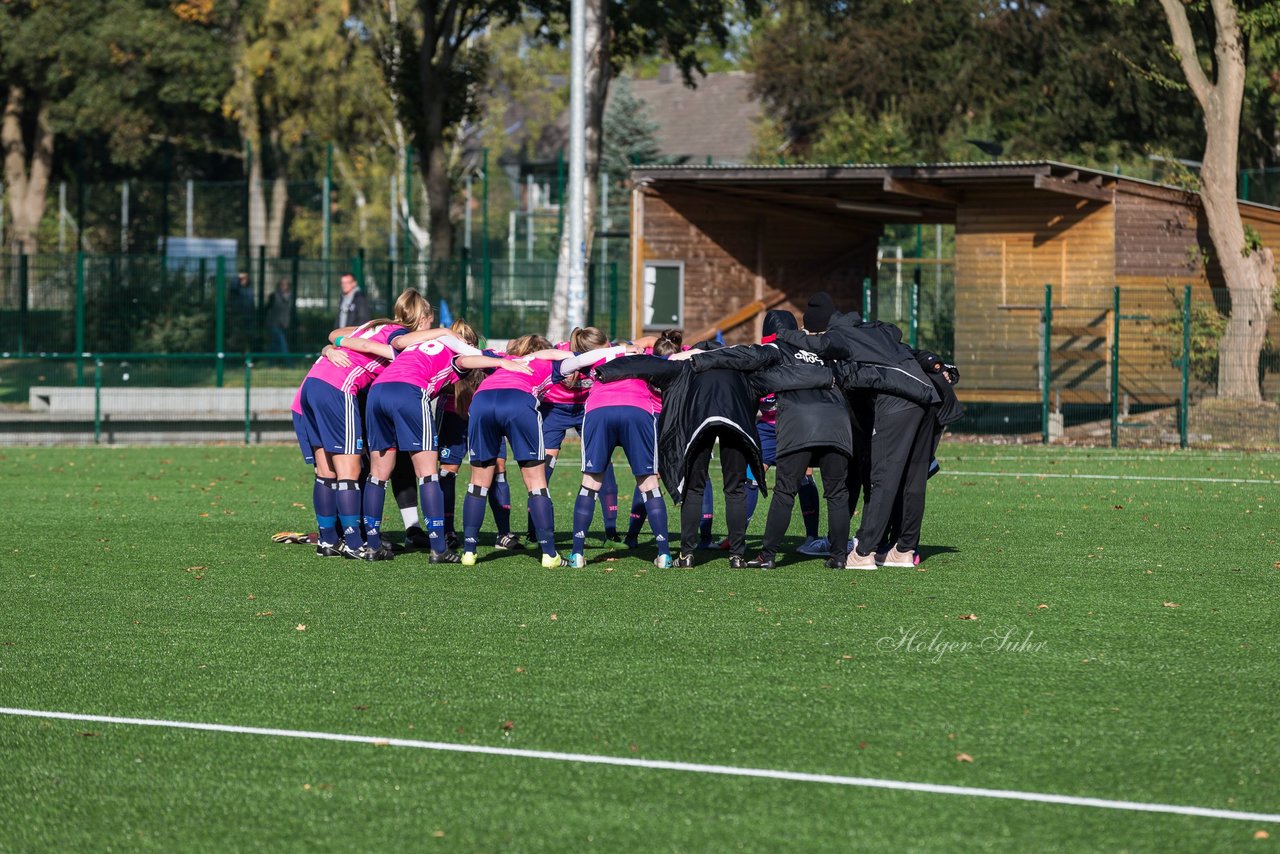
[
  {"x": 736, "y": 252},
  {"x": 1010, "y": 243}
]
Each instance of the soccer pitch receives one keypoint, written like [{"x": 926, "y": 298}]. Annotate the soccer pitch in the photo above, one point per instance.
[{"x": 1087, "y": 624}]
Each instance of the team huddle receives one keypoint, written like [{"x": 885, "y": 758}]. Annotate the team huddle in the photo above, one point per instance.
[{"x": 395, "y": 401}]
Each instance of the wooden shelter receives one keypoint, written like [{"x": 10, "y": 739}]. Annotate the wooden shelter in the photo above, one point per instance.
[{"x": 713, "y": 247}]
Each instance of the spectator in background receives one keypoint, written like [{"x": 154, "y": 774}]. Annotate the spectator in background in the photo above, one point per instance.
[
  {"x": 242, "y": 308},
  {"x": 280, "y": 316},
  {"x": 353, "y": 308}
]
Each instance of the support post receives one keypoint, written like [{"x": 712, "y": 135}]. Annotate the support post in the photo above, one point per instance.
[
  {"x": 1115, "y": 367},
  {"x": 866, "y": 298},
  {"x": 24, "y": 286},
  {"x": 79, "y": 316},
  {"x": 97, "y": 401},
  {"x": 248, "y": 384},
  {"x": 484, "y": 247},
  {"x": 1186, "y": 367},
  {"x": 1046, "y": 328},
  {"x": 915, "y": 310}
]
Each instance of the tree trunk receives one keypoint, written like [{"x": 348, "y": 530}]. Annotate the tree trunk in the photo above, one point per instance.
[
  {"x": 1250, "y": 276},
  {"x": 597, "y": 92},
  {"x": 26, "y": 174}
]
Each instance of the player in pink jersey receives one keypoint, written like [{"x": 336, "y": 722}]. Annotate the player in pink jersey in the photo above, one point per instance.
[
  {"x": 328, "y": 422},
  {"x": 399, "y": 417},
  {"x": 562, "y": 409},
  {"x": 506, "y": 406},
  {"x": 622, "y": 413}
]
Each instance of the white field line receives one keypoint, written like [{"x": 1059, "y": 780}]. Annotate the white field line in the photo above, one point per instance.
[
  {"x": 1067, "y": 476},
  {"x": 662, "y": 765}
]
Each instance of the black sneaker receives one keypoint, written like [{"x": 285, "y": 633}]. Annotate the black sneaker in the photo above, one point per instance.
[
  {"x": 446, "y": 556},
  {"x": 611, "y": 535},
  {"x": 760, "y": 562},
  {"x": 348, "y": 552},
  {"x": 452, "y": 541},
  {"x": 833, "y": 563},
  {"x": 386, "y": 551},
  {"x": 417, "y": 538},
  {"x": 631, "y": 542},
  {"x": 508, "y": 541},
  {"x": 683, "y": 561},
  {"x": 368, "y": 553},
  {"x": 327, "y": 550},
  {"x": 739, "y": 562}
]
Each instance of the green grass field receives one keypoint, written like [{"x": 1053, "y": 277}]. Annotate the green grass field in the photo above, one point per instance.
[{"x": 142, "y": 583}]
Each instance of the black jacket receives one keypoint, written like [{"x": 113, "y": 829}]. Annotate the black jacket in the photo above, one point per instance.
[
  {"x": 875, "y": 343},
  {"x": 807, "y": 417},
  {"x": 944, "y": 377},
  {"x": 700, "y": 405}
]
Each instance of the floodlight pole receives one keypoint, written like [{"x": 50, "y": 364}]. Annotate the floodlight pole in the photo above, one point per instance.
[{"x": 576, "y": 313}]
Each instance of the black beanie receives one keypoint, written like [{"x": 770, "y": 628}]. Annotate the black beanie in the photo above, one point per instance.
[
  {"x": 775, "y": 321},
  {"x": 818, "y": 313}
]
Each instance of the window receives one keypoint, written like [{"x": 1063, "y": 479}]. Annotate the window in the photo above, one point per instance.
[{"x": 663, "y": 294}]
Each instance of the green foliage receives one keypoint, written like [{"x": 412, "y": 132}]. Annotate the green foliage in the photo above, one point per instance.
[
  {"x": 629, "y": 133},
  {"x": 861, "y": 138},
  {"x": 1252, "y": 241},
  {"x": 1207, "y": 328},
  {"x": 1047, "y": 79}
]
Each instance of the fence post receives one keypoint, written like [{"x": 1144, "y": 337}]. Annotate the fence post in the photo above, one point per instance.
[
  {"x": 484, "y": 245},
  {"x": 219, "y": 314},
  {"x": 613, "y": 301},
  {"x": 79, "y": 318},
  {"x": 248, "y": 383},
  {"x": 1186, "y": 366},
  {"x": 357, "y": 264},
  {"x": 915, "y": 311},
  {"x": 23, "y": 301},
  {"x": 866, "y": 298},
  {"x": 261, "y": 311},
  {"x": 391, "y": 278},
  {"x": 97, "y": 400},
  {"x": 1046, "y": 329},
  {"x": 1115, "y": 368}
]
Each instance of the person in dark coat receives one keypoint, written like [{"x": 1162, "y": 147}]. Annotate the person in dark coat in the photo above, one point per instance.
[
  {"x": 813, "y": 431},
  {"x": 898, "y": 424},
  {"x": 697, "y": 409}
]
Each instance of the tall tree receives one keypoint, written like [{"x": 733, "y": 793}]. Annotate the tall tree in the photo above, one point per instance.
[
  {"x": 435, "y": 58},
  {"x": 129, "y": 73},
  {"x": 1215, "y": 66},
  {"x": 618, "y": 33}
]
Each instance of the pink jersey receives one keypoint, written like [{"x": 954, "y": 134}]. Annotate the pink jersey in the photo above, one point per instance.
[
  {"x": 569, "y": 396},
  {"x": 427, "y": 365},
  {"x": 363, "y": 369},
  {"x": 535, "y": 384},
  {"x": 633, "y": 392}
]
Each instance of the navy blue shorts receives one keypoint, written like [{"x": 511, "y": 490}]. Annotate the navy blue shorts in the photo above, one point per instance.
[
  {"x": 558, "y": 419},
  {"x": 331, "y": 418},
  {"x": 768, "y": 434},
  {"x": 398, "y": 415},
  {"x": 451, "y": 437},
  {"x": 304, "y": 441},
  {"x": 630, "y": 427},
  {"x": 509, "y": 413}
]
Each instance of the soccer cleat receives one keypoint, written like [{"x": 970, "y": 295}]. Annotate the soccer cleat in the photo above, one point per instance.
[
  {"x": 611, "y": 535},
  {"x": 417, "y": 538},
  {"x": 327, "y": 550},
  {"x": 740, "y": 562},
  {"x": 386, "y": 551},
  {"x": 631, "y": 542},
  {"x": 576, "y": 560},
  {"x": 815, "y": 546},
  {"x": 468, "y": 559},
  {"x": 452, "y": 541},
  {"x": 833, "y": 563},
  {"x": 348, "y": 552},
  {"x": 553, "y": 562},
  {"x": 662, "y": 561},
  {"x": 724, "y": 545},
  {"x": 684, "y": 561},
  {"x": 508, "y": 541},
  {"x": 446, "y": 556},
  {"x": 761, "y": 562},
  {"x": 897, "y": 558},
  {"x": 860, "y": 561}
]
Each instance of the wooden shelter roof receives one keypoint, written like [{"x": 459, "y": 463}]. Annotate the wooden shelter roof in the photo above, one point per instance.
[{"x": 918, "y": 193}]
